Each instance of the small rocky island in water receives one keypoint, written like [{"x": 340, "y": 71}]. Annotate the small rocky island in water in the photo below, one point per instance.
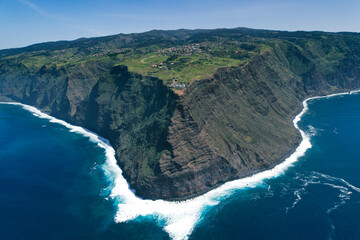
[{"x": 185, "y": 110}]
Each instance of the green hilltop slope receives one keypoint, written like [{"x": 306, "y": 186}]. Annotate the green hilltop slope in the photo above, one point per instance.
[{"x": 232, "y": 118}]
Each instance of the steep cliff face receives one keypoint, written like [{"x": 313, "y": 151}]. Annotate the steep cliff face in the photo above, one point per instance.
[
  {"x": 239, "y": 122},
  {"x": 231, "y": 125},
  {"x": 57, "y": 90},
  {"x": 134, "y": 113}
]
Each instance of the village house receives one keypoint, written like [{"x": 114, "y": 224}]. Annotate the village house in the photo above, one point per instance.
[{"x": 176, "y": 84}]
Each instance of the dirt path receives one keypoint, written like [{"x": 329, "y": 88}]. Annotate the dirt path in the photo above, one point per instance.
[{"x": 143, "y": 60}]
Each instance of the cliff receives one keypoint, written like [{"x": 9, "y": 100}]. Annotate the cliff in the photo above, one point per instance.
[{"x": 229, "y": 125}]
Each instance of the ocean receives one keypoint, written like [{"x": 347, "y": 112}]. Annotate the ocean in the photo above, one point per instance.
[{"x": 59, "y": 181}]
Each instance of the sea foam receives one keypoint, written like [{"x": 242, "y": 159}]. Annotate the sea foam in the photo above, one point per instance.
[{"x": 177, "y": 218}]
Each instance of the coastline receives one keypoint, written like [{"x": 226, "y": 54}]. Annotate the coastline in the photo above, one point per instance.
[
  {"x": 284, "y": 157},
  {"x": 180, "y": 216}
]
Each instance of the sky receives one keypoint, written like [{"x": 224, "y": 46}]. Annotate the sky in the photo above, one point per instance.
[{"x": 25, "y": 22}]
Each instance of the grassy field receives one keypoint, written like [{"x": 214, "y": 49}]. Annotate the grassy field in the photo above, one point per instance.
[
  {"x": 185, "y": 69},
  {"x": 186, "y": 63},
  {"x": 190, "y": 62}
]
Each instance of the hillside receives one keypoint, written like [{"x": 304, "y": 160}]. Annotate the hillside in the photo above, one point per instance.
[{"x": 232, "y": 118}]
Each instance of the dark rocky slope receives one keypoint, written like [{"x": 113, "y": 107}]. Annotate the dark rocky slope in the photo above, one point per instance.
[
  {"x": 239, "y": 122},
  {"x": 174, "y": 147}
]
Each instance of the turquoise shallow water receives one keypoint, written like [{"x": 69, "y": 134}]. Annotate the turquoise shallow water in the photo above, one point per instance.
[{"x": 53, "y": 185}]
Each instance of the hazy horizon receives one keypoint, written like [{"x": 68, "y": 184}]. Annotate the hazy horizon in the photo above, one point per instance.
[
  {"x": 27, "y": 22},
  {"x": 174, "y": 30}
]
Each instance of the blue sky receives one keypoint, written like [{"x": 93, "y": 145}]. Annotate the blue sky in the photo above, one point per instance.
[{"x": 24, "y": 22}]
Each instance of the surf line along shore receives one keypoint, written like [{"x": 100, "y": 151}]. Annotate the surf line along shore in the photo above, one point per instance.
[{"x": 178, "y": 219}]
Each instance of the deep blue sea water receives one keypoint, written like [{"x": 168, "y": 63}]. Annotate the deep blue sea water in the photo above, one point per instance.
[{"x": 53, "y": 186}]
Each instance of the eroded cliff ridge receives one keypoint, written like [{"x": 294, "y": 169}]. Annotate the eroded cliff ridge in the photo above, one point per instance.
[{"x": 231, "y": 120}]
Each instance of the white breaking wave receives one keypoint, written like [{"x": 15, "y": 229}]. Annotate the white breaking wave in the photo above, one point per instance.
[
  {"x": 331, "y": 178},
  {"x": 317, "y": 178},
  {"x": 177, "y": 218},
  {"x": 297, "y": 194},
  {"x": 312, "y": 131}
]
